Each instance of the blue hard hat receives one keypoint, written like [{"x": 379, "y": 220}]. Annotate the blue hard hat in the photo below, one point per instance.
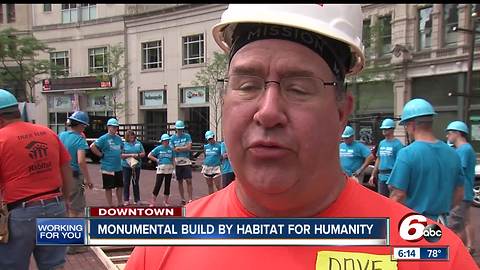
[
  {"x": 348, "y": 132},
  {"x": 179, "y": 124},
  {"x": 80, "y": 117},
  {"x": 457, "y": 126},
  {"x": 387, "y": 124},
  {"x": 209, "y": 134},
  {"x": 112, "y": 122},
  {"x": 164, "y": 137},
  {"x": 416, "y": 108},
  {"x": 7, "y": 99}
]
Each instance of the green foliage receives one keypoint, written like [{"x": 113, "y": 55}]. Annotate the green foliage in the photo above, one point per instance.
[
  {"x": 211, "y": 77},
  {"x": 116, "y": 70},
  {"x": 18, "y": 63}
]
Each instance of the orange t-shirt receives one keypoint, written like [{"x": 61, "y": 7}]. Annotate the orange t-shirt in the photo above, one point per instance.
[
  {"x": 354, "y": 201},
  {"x": 30, "y": 160}
]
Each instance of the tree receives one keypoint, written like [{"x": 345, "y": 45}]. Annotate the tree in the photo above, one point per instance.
[
  {"x": 19, "y": 64},
  {"x": 116, "y": 71},
  {"x": 210, "y": 76},
  {"x": 376, "y": 67}
]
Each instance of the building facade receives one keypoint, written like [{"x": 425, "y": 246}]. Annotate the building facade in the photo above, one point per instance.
[
  {"x": 411, "y": 52},
  {"x": 17, "y": 16},
  {"x": 421, "y": 56}
]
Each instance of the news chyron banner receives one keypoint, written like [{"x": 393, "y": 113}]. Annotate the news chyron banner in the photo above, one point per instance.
[{"x": 169, "y": 226}]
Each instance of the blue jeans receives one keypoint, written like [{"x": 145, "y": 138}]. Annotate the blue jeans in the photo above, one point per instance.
[
  {"x": 133, "y": 175},
  {"x": 15, "y": 255}
]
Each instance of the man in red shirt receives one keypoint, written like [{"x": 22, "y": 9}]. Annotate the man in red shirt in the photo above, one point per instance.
[
  {"x": 35, "y": 176},
  {"x": 285, "y": 107}
]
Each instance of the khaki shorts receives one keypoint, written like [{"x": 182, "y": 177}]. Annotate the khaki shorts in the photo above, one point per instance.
[
  {"x": 210, "y": 171},
  {"x": 77, "y": 195},
  {"x": 459, "y": 216}
]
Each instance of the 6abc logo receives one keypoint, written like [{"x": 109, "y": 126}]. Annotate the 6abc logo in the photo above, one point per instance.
[{"x": 413, "y": 227}]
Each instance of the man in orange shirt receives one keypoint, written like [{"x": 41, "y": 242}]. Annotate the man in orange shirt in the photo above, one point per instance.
[
  {"x": 35, "y": 177},
  {"x": 285, "y": 107}
]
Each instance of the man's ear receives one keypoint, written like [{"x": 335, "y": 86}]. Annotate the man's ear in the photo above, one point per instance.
[{"x": 345, "y": 108}]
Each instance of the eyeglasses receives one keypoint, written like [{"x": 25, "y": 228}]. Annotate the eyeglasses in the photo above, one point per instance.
[{"x": 294, "y": 89}]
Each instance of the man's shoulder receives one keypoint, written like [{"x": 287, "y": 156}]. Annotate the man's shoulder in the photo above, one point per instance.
[
  {"x": 367, "y": 203},
  {"x": 214, "y": 205}
]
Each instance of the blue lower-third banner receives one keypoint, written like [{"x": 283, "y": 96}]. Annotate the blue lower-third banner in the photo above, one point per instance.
[
  {"x": 61, "y": 231},
  {"x": 239, "y": 231}
]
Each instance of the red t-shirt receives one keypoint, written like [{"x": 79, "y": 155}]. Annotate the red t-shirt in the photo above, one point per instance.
[
  {"x": 354, "y": 201},
  {"x": 30, "y": 160}
]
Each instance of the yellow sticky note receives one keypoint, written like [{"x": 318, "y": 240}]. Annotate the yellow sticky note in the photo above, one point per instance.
[{"x": 337, "y": 260}]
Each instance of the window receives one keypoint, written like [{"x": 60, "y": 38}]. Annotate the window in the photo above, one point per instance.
[
  {"x": 10, "y": 13},
  {"x": 425, "y": 27},
  {"x": 97, "y": 60},
  {"x": 476, "y": 14},
  {"x": 69, "y": 13},
  {"x": 47, "y": 7},
  {"x": 385, "y": 37},
  {"x": 152, "y": 54},
  {"x": 89, "y": 12},
  {"x": 62, "y": 61},
  {"x": 450, "y": 19},
  {"x": 367, "y": 36},
  {"x": 57, "y": 121},
  {"x": 193, "y": 50}
]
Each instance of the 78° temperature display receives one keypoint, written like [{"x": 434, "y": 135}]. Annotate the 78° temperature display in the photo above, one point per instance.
[{"x": 420, "y": 253}]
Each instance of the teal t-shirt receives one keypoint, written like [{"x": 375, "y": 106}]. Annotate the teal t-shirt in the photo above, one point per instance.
[
  {"x": 226, "y": 166},
  {"x": 387, "y": 152},
  {"x": 73, "y": 141},
  {"x": 111, "y": 147},
  {"x": 468, "y": 158},
  {"x": 352, "y": 156},
  {"x": 132, "y": 148},
  {"x": 212, "y": 154},
  {"x": 428, "y": 173},
  {"x": 164, "y": 154},
  {"x": 180, "y": 141}
]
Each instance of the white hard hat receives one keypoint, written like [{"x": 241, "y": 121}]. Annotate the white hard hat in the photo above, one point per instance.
[{"x": 340, "y": 22}]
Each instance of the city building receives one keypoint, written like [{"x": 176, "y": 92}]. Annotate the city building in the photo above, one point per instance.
[
  {"x": 412, "y": 51},
  {"x": 17, "y": 16}
]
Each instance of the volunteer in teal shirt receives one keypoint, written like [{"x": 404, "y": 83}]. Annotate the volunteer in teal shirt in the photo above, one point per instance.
[
  {"x": 164, "y": 154},
  {"x": 76, "y": 145},
  {"x": 227, "y": 171},
  {"x": 180, "y": 140},
  {"x": 459, "y": 218},
  {"x": 386, "y": 155},
  {"x": 468, "y": 159},
  {"x": 73, "y": 141},
  {"x": 109, "y": 147},
  {"x": 211, "y": 164},
  {"x": 132, "y": 150},
  {"x": 212, "y": 154},
  {"x": 181, "y": 143},
  {"x": 352, "y": 156},
  {"x": 424, "y": 170}
]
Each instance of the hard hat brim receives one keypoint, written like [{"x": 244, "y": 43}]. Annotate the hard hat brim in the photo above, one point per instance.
[
  {"x": 77, "y": 120},
  {"x": 454, "y": 129},
  {"x": 357, "y": 55},
  {"x": 403, "y": 121}
]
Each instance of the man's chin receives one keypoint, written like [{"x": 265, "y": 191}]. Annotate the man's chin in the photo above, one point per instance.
[{"x": 272, "y": 185}]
